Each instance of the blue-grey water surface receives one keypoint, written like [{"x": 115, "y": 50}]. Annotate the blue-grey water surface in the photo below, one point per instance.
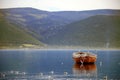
[{"x": 57, "y": 65}]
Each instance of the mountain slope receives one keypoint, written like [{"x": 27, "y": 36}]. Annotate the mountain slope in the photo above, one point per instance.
[
  {"x": 12, "y": 36},
  {"x": 37, "y": 21},
  {"x": 77, "y": 28},
  {"x": 80, "y": 15},
  {"x": 95, "y": 31},
  {"x": 48, "y": 23}
]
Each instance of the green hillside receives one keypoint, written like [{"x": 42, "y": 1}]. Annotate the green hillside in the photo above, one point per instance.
[
  {"x": 12, "y": 36},
  {"x": 26, "y": 27},
  {"x": 97, "y": 31}
]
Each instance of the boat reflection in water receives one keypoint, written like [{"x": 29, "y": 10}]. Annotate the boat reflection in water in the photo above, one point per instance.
[{"x": 85, "y": 71}]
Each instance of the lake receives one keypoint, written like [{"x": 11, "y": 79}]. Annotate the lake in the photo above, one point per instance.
[{"x": 57, "y": 65}]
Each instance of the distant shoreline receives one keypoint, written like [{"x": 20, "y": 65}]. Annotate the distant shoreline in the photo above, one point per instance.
[{"x": 97, "y": 49}]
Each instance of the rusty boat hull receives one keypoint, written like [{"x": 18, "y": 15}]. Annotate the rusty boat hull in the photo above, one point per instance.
[{"x": 85, "y": 58}]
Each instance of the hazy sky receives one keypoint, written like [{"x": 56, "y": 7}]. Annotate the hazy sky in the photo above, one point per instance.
[{"x": 58, "y": 5}]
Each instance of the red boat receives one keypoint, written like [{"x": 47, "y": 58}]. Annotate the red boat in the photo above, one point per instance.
[{"x": 84, "y": 57}]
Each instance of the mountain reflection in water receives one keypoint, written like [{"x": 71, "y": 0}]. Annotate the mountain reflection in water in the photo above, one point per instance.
[{"x": 86, "y": 70}]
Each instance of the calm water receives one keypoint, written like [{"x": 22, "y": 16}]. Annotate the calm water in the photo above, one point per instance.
[{"x": 57, "y": 65}]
